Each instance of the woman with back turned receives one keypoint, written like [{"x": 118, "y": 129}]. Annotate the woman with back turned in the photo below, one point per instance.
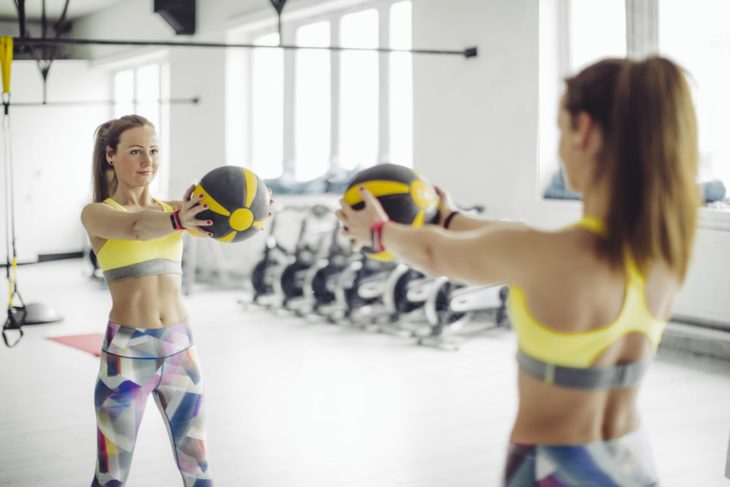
[{"x": 589, "y": 303}]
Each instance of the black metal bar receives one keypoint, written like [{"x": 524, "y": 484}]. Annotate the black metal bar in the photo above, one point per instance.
[
  {"x": 468, "y": 52},
  {"x": 171, "y": 101},
  {"x": 44, "y": 19},
  {"x": 62, "y": 18},
  {"x": 61, "y": 24},
  {"x": 20, "y": 6}
]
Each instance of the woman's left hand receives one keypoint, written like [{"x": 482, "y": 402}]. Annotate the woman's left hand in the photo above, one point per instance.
[{"x": 356, "y": 224}]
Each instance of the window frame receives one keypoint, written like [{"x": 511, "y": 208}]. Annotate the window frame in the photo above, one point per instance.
[
  {"x": 252, "y": 27},
  {"x": 162, "y": 181},
  {"x": 642, "y": 39}
]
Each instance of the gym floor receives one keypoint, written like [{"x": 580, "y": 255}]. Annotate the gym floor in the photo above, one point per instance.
[{"x": 292, "y": 403}]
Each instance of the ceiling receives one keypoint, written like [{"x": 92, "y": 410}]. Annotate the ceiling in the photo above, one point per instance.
[{"x": 76, "y": 8}]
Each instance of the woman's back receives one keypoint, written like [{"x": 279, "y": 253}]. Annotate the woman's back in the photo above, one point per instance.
[{"x": 587, "y": 310}]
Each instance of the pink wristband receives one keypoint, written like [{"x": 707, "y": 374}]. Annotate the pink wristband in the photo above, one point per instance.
[
  {"x": 376, "y": 235},
  {"x": 175, "y": 219}
]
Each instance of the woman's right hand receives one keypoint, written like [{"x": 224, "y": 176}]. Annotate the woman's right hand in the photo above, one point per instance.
[
  {"x": 446, "y": 205},
  {"x": 189, "y": 210}
]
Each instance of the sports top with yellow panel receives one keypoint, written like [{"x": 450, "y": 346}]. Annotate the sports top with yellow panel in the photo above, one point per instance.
[
  {"x": 120, "y": 259},
  {"x": 566, "y": 358}
]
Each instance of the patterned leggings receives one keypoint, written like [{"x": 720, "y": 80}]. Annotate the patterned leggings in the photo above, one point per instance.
[
  {"x": 621, "y": 462},
  {"x": 134, "y": 363}
]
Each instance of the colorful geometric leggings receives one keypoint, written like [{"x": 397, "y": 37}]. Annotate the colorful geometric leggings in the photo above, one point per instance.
[
  {"x": 134, "y": 363},
  {"x": 621, "y": 462}
]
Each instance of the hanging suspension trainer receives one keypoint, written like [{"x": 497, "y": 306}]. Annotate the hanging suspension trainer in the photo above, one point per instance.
[
  {"x": 15, "y": 314},
  {"x": 18, "y": 313}
]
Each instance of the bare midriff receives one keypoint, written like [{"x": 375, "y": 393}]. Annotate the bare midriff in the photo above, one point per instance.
[
  {"x": 554, "y": 415},
  {"x": 147, "y": 301}
]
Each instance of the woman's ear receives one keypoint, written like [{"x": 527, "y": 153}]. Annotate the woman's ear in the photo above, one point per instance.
[
  {"x": 109, "y": 154},
  {"x": 584, "y": 126}
]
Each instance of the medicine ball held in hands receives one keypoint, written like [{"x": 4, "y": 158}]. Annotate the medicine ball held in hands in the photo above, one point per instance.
[
  {"x": 238, "y": 203},
  {"x": 405, "y": 196}
]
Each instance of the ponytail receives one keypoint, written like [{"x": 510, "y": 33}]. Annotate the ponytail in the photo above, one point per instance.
[{"x": 649, "y": 157}]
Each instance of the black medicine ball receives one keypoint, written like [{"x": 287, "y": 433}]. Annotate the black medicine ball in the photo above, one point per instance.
[
  {"x": 405, "y": 196},
  {"x": 238, "y": 203}
]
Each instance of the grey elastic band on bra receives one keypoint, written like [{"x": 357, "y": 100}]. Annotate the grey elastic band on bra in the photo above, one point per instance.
[
  {"x": 612, "y": 377},
  {"x": 147, "y": 268}
]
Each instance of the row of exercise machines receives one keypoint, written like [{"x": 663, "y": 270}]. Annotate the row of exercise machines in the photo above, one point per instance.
[{"x": 321, "y": 277}]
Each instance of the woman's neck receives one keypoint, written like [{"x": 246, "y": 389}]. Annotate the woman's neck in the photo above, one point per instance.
[
  {"x": 596, "y": 202},
  {"x": 140, "y": 197}
]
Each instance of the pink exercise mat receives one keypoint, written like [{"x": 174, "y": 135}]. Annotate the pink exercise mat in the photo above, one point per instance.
[{"x": 91, "y": 342}]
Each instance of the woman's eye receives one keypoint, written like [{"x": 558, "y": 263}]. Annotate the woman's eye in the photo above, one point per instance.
[{"x": 135, "y": 152}]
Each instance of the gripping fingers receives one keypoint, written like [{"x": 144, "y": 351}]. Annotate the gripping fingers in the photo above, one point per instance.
[
  {"x": 198, "y": 208},
  {"x": 188, "y": 204},
  {"x": 189, "y": 192}
]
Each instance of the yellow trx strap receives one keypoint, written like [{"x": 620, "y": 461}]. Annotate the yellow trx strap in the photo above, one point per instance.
[{"x": 6, "y": 61}]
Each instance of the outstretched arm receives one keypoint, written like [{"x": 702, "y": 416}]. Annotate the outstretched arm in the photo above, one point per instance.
[
  {"x": 459, "y": 221},
  {"x": 488, "y": 255},
  {"x": 103, "y": 221}
]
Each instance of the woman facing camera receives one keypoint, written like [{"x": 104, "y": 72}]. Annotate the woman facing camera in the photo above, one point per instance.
[{"x": 148, "y": 346}]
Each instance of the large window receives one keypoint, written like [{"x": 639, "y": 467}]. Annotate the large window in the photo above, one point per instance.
[
  {"x": 266, "y": 108},
  {"x": 574, "y": 33},
  {"x": 401, "y": 85},
  {"x": 597, "y": 30},
  {"x": 312, "y": 102},
  {"x": 697, "y": 36},
  {"x": 314, "y": 111},
  {"x": 144, "y": 90},
  {"x": 359, "y": 100}
]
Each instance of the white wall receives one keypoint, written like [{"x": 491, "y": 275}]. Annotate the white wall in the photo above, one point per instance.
[
  {"x": 51, "y": 154},
  {"x": 475, "y": 120}
]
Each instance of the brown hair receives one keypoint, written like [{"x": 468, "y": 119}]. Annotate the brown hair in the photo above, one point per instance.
[
  {"x": 108, "y": 135},
  {"x": 647, "y": 117}
]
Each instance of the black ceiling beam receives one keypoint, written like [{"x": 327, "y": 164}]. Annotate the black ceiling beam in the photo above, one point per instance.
[{"x": 30, "y": 41}]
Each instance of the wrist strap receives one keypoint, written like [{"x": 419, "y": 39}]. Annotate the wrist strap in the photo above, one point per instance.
[
  {"x": 175, "y": 219},
  {"x": 376, "y": 235},
  {"x": 448, "y": 219}
]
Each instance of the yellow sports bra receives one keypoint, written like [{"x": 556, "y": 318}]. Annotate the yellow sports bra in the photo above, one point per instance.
[
  {"x": 580, "y": 349},
  {"x": 120, "y": 259}
]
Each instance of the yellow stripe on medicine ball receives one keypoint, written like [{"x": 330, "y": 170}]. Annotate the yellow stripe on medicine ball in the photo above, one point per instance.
[
  {"x": 259, "y": 224},
  {"x": 227, "y": 238},
  {"x": 251, "y": 187},
  {"x": 377, "y": 188},
  {"x": 384, "y": 256},
  {"x": 418, "y": 221},
  {"x": 241, "y": 219},
  {"x": 423, "y": 195},
  {"x": 213, "y": 205}
]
